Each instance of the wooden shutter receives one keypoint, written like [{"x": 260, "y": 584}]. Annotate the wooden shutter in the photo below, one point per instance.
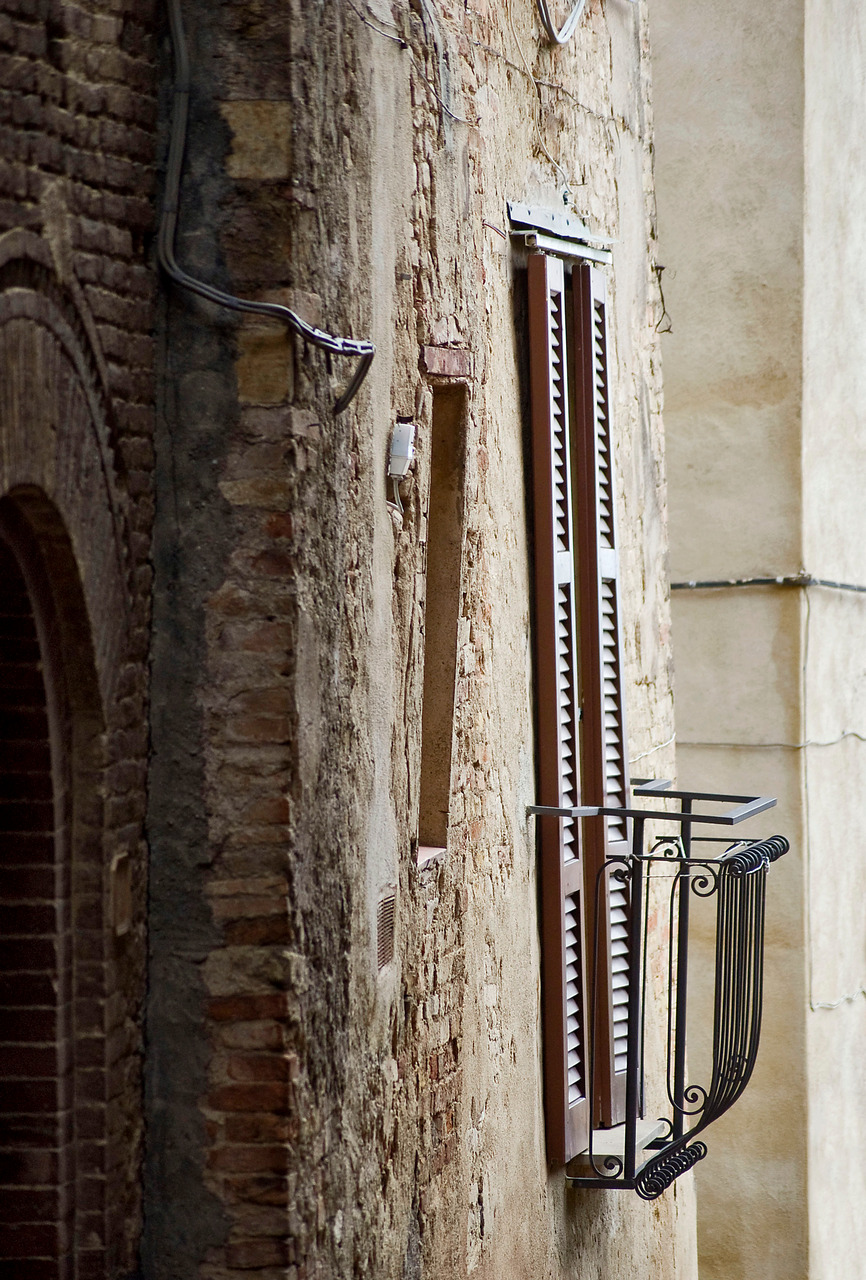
[
  {"x": 561, "y": 868},
  {"x": 604, "y": 753}
]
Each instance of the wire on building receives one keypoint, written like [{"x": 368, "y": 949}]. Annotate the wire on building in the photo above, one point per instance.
[{"x": 362, "y": 351}]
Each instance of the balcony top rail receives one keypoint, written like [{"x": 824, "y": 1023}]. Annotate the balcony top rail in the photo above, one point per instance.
[{"x": 743, "y": 807}]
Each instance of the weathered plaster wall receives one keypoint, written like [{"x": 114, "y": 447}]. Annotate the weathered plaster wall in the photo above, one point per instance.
[
  {"x": 357, "y": 164},
  {"x": 729, "y": 96},
  {"x": 736, "y": 700},
  {"x": 833, "y": 467},
  {"x": 835, "y": 712},
  {"x": 834, "y": 298},
  {"x": 729, "y": 116},
  {"x": 789, "y": 671}
]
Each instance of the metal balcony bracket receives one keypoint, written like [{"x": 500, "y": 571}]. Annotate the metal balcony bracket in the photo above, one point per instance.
[{"x": 647, "y": 1156}]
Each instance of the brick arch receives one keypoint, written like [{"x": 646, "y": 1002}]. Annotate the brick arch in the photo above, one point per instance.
[
  {"x": 66, "y": 557},
  {"x": 57, "y": 437}
]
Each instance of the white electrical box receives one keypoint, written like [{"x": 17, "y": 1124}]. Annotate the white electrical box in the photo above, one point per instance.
[{"x": 402, "y": 450}]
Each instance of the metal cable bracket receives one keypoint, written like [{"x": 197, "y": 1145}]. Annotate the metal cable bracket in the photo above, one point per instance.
[{"x": 361, "y": 350}]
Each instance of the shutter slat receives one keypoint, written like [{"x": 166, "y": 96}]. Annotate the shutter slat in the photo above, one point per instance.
[
  {"x": 563, "y": 922},
  {"x": 604, "y": 751}
]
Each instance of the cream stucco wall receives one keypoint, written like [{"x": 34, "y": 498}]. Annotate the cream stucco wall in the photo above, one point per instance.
[
  {"x": 834, "y": 469},
  {"x": 761, "y": 182},
  {"x": 729, "y": 107},
  {"x": 729, "y": 111}
]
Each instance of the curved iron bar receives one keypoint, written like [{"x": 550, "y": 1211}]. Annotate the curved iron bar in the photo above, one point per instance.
[
  {"x": 745, "y": 861},
  {"x": 362, "y": 350},
  {"x": 657, "y": 1176},
  {"x": 705, "y": 884},
  {"x": 644, "y": 984},
  {"x": 741, "y": 886},
  {"x": 742, "y": 858},
  {"x": 672, "y": 933},
  {"x": 694, "y": 1093},
  {"x": 738, "y": 879},
  {"x": 613, "y": 1166},
  {"x": 672, "y": 847}
]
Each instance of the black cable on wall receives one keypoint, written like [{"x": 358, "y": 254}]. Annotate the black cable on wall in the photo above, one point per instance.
[{"x": 361, "y": 350}]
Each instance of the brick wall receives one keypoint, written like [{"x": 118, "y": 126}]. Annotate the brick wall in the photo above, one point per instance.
[{"x": 77, "y": 124}]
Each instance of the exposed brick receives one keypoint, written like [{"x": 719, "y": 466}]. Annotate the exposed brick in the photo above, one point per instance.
[
  {"x": 260, "y": 728},
  {"x": 247, "y": 1007},
  {"x": 90, "y": 1264},
  {"x": 28, "y": 1062},
  {"x": 258, "y": 1128},
  {"x": 256, "y": 1190},
  {"x": 258, "y": 1067},
  {"x": 273, "y": 1098},
  {"x": 449, "y": 362},
  {"x": 258, "y": 932},
  {"x": 30, "y": 1167},
  {"x": 249, "y": 1254},
  {"x": 280, "y": 525},
  {"x": 240, "y": 908},
  {"x": 252, "y": 1159},
  {"x": 40, "y": 1269},
  {"x": 26, "y": 1204}
]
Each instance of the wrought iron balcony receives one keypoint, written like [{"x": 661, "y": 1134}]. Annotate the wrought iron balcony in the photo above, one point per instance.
[{"x": 642, "y": 1155}]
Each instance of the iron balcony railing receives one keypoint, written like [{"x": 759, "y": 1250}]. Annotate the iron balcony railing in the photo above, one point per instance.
[{"x": 648, "y": 1156}]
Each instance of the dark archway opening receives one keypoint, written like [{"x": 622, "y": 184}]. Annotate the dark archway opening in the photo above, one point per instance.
[{"x": 37, "y": 1175}]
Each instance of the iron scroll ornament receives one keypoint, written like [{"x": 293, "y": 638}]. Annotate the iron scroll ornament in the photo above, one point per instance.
[{"x": 658, "y": 1174}]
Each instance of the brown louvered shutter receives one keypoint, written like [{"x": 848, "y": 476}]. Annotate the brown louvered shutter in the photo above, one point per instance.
[
  {"x": 561, "y": 867},
  {"x": 604, "y": 754}
]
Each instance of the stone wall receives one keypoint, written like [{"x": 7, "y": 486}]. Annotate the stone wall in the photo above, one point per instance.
[{"x": 354, "y": 161}]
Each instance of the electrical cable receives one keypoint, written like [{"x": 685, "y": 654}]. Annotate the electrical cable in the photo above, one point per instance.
[
  {"x": 397, "y": 501},
  {"x": 786, "y": 746},
  {"x": 362, "y": 351},
  {"x": 536, "y": 115},
  {"x": 814, "y": 1005},
  {"x": 415, "y": 63},
  {"x": 567, "y": 30},
  {"x": 651, "y": 752},
  {"x": 801, "y": 579},
  {"x": 397, "y": 39}
]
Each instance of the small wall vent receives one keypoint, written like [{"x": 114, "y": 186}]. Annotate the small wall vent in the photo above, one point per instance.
[{"x": 385, "y": 928}]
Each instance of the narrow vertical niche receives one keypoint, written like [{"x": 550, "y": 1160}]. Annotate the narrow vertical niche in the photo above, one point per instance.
[{"x": 441, "y": 612}]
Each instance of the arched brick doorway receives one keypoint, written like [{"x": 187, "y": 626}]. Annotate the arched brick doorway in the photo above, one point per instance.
[
  {"x": 74, "y": 598},
  {"x": 36, "y": 1124},
  {"x": 53, "y": 1095}
]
